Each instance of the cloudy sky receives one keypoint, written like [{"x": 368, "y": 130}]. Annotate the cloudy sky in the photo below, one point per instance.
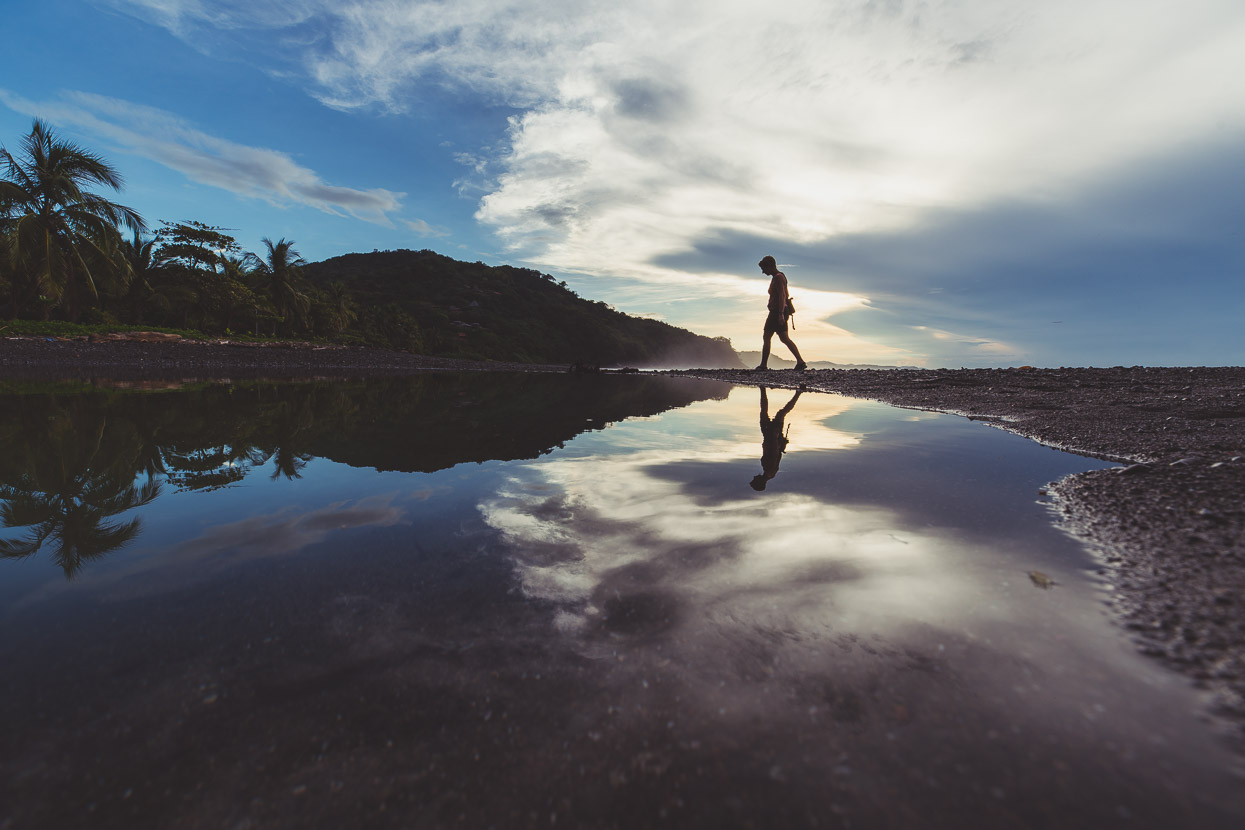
[{"x": 944, "y": 182}]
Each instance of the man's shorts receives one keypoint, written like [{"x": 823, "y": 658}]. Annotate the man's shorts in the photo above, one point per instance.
[{"x": 776, "y": 323}]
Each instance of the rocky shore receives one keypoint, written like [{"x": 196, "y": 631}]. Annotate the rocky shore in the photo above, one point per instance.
[
  {"x": 36, "y": 358},
  {"x": 1169, "y": 527}
]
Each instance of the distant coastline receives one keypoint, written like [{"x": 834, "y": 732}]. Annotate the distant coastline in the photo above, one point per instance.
[{"x": 753, "y": 358}]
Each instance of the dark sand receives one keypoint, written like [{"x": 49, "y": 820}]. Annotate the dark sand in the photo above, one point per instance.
[{"x": 1170, "y": 528}]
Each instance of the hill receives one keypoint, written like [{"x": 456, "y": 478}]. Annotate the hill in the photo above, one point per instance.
[{"x": 486, "y": 312}]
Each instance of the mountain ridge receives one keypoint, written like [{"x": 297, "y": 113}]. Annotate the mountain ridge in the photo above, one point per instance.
[{"x": 445, "y": 307}]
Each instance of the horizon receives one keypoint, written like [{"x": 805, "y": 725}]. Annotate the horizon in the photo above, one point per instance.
[{"x": 949, "y": 184}]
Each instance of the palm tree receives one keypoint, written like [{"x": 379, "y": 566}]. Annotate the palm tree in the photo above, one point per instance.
[
  {"x": 61, "y": 231},
  {"x": 341, "y": 306},
  {"x": 138, "y": 260},
  {"x": 8, "y": 282},
  {"x": 279, "y": 274},
  {"x": 234, "y": 297}
]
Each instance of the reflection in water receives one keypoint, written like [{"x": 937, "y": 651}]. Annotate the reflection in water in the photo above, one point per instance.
[
  {"x": 604, "y": 537},
  {"x": 65, "y": 480},
  {"x": 76, "y": 455},
  {"x": 852, "y": 600},
  {"x": 613, "y": 633},
  {"x": 773, "y": 440}
]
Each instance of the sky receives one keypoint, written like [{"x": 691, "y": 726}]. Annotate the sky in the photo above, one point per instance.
[{"x": 945, "y": 183}]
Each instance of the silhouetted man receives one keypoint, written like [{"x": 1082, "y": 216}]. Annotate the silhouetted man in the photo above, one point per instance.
[
  {"x": 780, "y": 310},
  {"x": 773, "y": 442}
]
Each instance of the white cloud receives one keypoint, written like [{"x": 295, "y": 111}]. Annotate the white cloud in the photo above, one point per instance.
[
  {"x": 872, "y": 104},
  {"x": 254, "y": 172},
  {"x": 186, "y": 18},
  {"x": 645, "y": 127},
  {"x": 423, "y": 228},
  {"x": 830, "y": 119},
  {"x": 647, "y": 122},
  {"x": 969, "y": 345}
]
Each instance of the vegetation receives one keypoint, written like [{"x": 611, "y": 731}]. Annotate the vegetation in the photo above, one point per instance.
[
  {"x": 60, "y": 236},
  {"x": 68, "y": 255},
  {"x": 473, "y": 310}
]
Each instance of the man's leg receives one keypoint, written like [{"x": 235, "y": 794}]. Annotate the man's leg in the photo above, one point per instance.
[
  {"x": 790, "y": 344},
  {"x": 765, "y": 351}
]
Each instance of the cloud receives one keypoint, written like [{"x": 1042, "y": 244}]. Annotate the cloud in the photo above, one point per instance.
[
  {"x": 190, "y": 19},
  {"x": 423, "y": 228},
  {"x": 644, "y": 132},
  {"x": 254, "y": 172}
]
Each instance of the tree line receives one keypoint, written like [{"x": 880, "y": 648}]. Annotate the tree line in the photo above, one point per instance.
[{"x": 68, "y": 253}]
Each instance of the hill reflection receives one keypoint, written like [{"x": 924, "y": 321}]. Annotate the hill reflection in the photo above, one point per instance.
[{"x": 78, "y": 457}]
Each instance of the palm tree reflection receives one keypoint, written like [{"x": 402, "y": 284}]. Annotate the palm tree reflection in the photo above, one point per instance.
[{"x": 67, "y": 488}]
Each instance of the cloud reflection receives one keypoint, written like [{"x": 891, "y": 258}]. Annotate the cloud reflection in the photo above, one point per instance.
[
  {"x": 223, "y": 547},
  {"x": 624, "y": 551},
  {"x": 664, "y": 557}
]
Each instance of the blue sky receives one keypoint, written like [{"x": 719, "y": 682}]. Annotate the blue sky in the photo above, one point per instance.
[{"x": 973, "y": 183}]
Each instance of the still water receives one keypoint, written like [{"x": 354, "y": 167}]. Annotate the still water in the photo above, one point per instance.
[{"x": 532, "y": 600}]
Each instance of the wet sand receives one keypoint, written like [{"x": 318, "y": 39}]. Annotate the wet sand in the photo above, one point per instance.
[{"x": 1169, "y": 528}]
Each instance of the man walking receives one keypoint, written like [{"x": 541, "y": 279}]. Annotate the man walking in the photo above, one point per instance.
[{"x": 780, "y": 310}]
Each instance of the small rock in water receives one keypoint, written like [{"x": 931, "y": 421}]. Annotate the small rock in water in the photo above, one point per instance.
[{"x": 1041, "y": 580}]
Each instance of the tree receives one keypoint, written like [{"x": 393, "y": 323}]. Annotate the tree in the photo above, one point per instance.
[
  {"x": 8, "y": 286},
  {"x": 341, "y": 306},
  {"x": 60, "y": 233},
  {"x": 195, "y": 245},
  {"x": 203, "y": 278},
  {"x": 280, "y": 273},
  {"x": 235, "y": 298},
  {"x": 137, "y": 257}
]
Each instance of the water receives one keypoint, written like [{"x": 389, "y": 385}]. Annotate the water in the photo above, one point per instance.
[{"x": 524, "y": 600}]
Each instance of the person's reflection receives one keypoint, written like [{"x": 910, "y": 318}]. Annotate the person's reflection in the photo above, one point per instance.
[{"x": 773, "y": 442}]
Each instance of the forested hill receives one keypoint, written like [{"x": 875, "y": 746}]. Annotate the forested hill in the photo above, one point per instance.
[{"x": 473, "y": 310}]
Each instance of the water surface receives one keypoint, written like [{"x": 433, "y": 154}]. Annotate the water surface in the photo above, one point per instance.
[{"x": 526, "y": 600}]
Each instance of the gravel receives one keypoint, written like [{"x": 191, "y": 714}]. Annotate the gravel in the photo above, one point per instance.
[{"x": 80, "y": 359}]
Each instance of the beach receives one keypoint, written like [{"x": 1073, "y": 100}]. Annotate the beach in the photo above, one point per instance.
[{"x": 1168, "y": 527}]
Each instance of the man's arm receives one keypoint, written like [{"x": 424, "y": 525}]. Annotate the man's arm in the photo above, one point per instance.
[{"x": 778, "y": 292}]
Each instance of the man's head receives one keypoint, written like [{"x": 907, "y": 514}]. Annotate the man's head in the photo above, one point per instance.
[
  {"x": 768, "y": 266},
  {"x": 758, "y": 482}
]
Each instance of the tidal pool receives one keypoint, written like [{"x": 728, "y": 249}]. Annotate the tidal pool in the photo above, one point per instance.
[{"x": 537, "y": 600}]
